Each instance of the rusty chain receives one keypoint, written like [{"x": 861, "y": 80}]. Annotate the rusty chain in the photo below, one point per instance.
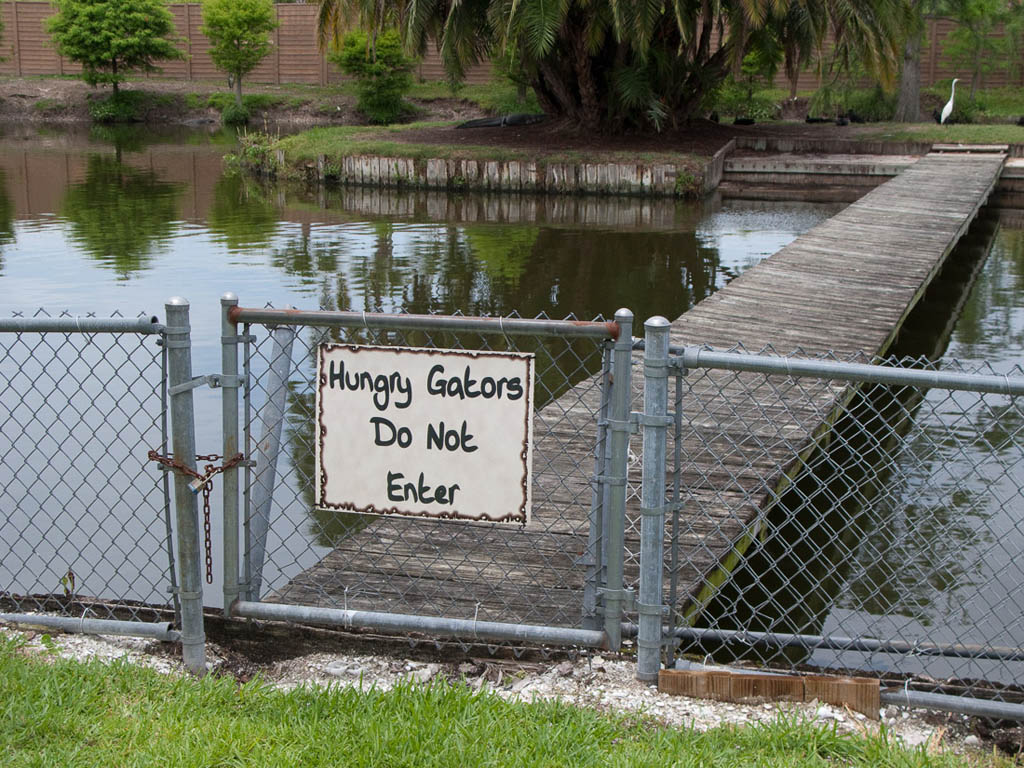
[{"x": 202, "y": 482}]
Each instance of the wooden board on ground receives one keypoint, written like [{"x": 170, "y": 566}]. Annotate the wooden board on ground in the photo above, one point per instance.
[{"x": 860, "y": 694}]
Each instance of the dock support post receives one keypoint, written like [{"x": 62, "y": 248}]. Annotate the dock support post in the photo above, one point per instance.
[
  {"x": 615, "y": 476},
  {"x": 655, "y": 422},
  {"x": 230, "y": 384},
  {"x": 178, "y": 339}
]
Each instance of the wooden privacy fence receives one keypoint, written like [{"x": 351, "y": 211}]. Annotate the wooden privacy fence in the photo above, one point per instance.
[
  {"x": 296, "y": 58},
  {"x": 27, "y": 48}
]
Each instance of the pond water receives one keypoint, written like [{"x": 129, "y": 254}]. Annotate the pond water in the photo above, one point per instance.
[{"x": 102, "y": 221}]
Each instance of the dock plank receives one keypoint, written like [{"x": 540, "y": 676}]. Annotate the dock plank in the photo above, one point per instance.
[{"x": 844, "y": 287}]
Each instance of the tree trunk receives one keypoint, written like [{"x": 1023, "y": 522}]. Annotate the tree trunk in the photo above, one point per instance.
[
  {"x": 908, "y": 107},
  {"x": 976, "y": 75},
  {"x": 113, "y": 71},
  {"x": 238, "y": 89},
  {"x": 589, "y": 97}
]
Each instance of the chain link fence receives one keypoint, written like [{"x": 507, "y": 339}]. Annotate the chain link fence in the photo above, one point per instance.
[
  {"x": 85, "y": 529},
  {"x": 550, "y": 572},
  {"x": 794, "y": 511},
  {"x": 817, "y": 513}
]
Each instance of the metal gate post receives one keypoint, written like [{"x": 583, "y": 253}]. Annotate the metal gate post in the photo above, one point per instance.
[
  {"x": 177, "y": 337},
  {"x": 229, "y": 419},
  {"x": 615, "y": 476},
  {"x": 267, "y": 449},
  {"x": 595, "y": 535},
  {"x": 652, "y": 524}
]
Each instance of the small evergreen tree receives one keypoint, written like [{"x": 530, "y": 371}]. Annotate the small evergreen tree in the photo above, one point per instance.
[
  {"x": 382, "y": 71},
  {"x": 239, "y": 33},
  {"x": 111, "y": 37}
]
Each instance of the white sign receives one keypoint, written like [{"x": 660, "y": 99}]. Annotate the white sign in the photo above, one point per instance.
[{"x": 422, "y": 432}]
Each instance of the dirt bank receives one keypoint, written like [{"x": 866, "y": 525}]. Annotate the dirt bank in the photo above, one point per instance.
[
  {"x": 170, "y": 102},
  {"x": 66, "y": 100}
]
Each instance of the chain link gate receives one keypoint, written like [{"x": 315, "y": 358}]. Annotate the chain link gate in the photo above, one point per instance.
[
  {"x": 557, "y": 580},
  {"x": 86, "y": 530},
  {"x": 836, "y": 514}
]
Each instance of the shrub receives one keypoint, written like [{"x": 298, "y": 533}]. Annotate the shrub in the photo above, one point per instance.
[
  {"x": 732, "y": 99},
  {"x": 234, "y": 114},
  {"x": 119, "y": 107},
  {"x": 383, "y": 75},
  {"x": 47, "y": 106},
  {"x": 871, "y": 104},
  {"x": 966, "y": 111},
  {"x": 255, "y": 153}
]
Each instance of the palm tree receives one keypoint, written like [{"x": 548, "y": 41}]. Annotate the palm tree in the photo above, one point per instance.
[{"x": 616, "y": 64}]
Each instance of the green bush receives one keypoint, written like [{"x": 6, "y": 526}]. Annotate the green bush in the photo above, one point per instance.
[
  {"x": 383, "y": 75},
  {"x": 871, "y": 104},
  {"x": 47, "y": 106},
  {"x": 255, "y": 154},
  {"x": 966, "y": 111},
  {"x": 252, "y": 101},
  {"x": 732, "y": 99},
  {"x": 232, "y": 114},
  {"x": 119, "y": 107},
  {"x": 827, "y": 101}
]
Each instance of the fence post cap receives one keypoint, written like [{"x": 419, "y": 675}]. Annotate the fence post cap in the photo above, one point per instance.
[
  {"x": 177, "y": 301},
  {"x": 624, "y": 314},
  {"x": 656, "y": 322},
  {"x": 229, "y": 297}
]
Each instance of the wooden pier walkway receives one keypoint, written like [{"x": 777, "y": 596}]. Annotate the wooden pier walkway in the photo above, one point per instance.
[{"x": 846, "y": 286}]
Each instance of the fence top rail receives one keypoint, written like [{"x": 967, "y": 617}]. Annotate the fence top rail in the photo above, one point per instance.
[
  {"x": 141, "y": 325},
  {"x": 504, "y": 325},
  {"x": 696, "y": 357}
]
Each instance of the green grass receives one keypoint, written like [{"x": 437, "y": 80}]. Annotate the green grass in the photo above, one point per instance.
[
  {"x": 344, "y": 140},
  {"x": 70, "y": 714},
  {"x": 1002, "y": 102},
  {"x": 995, "y": 103},
  {"x": 251, "y": 101},
  {"x": 498, "y": 97},
  {"x": 48, "y": 105},
  {"x": 947, "y": 134}
]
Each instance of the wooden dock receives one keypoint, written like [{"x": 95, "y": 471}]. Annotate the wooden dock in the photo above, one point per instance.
[{"x": 846, "y": 286}]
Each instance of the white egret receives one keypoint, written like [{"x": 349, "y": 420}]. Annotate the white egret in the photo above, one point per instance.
[{"x": 948, "y": 109}]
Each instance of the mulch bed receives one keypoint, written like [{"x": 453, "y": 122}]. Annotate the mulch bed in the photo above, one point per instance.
[{"x": 701, "y": 137}]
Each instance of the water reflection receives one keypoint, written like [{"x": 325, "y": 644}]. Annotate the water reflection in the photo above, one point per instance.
[
  {"x": 119, "y": 215},
  {"x": 301, "y": 257},
  {"x": 6, "y": 217},
  {"x": 244, "y": 215},
  {"x": 125, "y": 219},
  {"x": 991, "y": 326},
  {"x": 890, "y": 517}
]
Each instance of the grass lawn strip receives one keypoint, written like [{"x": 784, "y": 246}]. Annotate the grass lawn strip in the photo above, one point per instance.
[
  {"x": 386, "y": 141},
  {"x": 63, "y": 712}
]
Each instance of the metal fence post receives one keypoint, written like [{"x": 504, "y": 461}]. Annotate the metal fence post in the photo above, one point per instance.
[
  {"x": 183, "y": 445},
  {"x": 229, "y": 404},
  {"x": 615, "y": 477},
  {"x": 272, "y": 416},
  {"x": 652, "y": 523}
]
